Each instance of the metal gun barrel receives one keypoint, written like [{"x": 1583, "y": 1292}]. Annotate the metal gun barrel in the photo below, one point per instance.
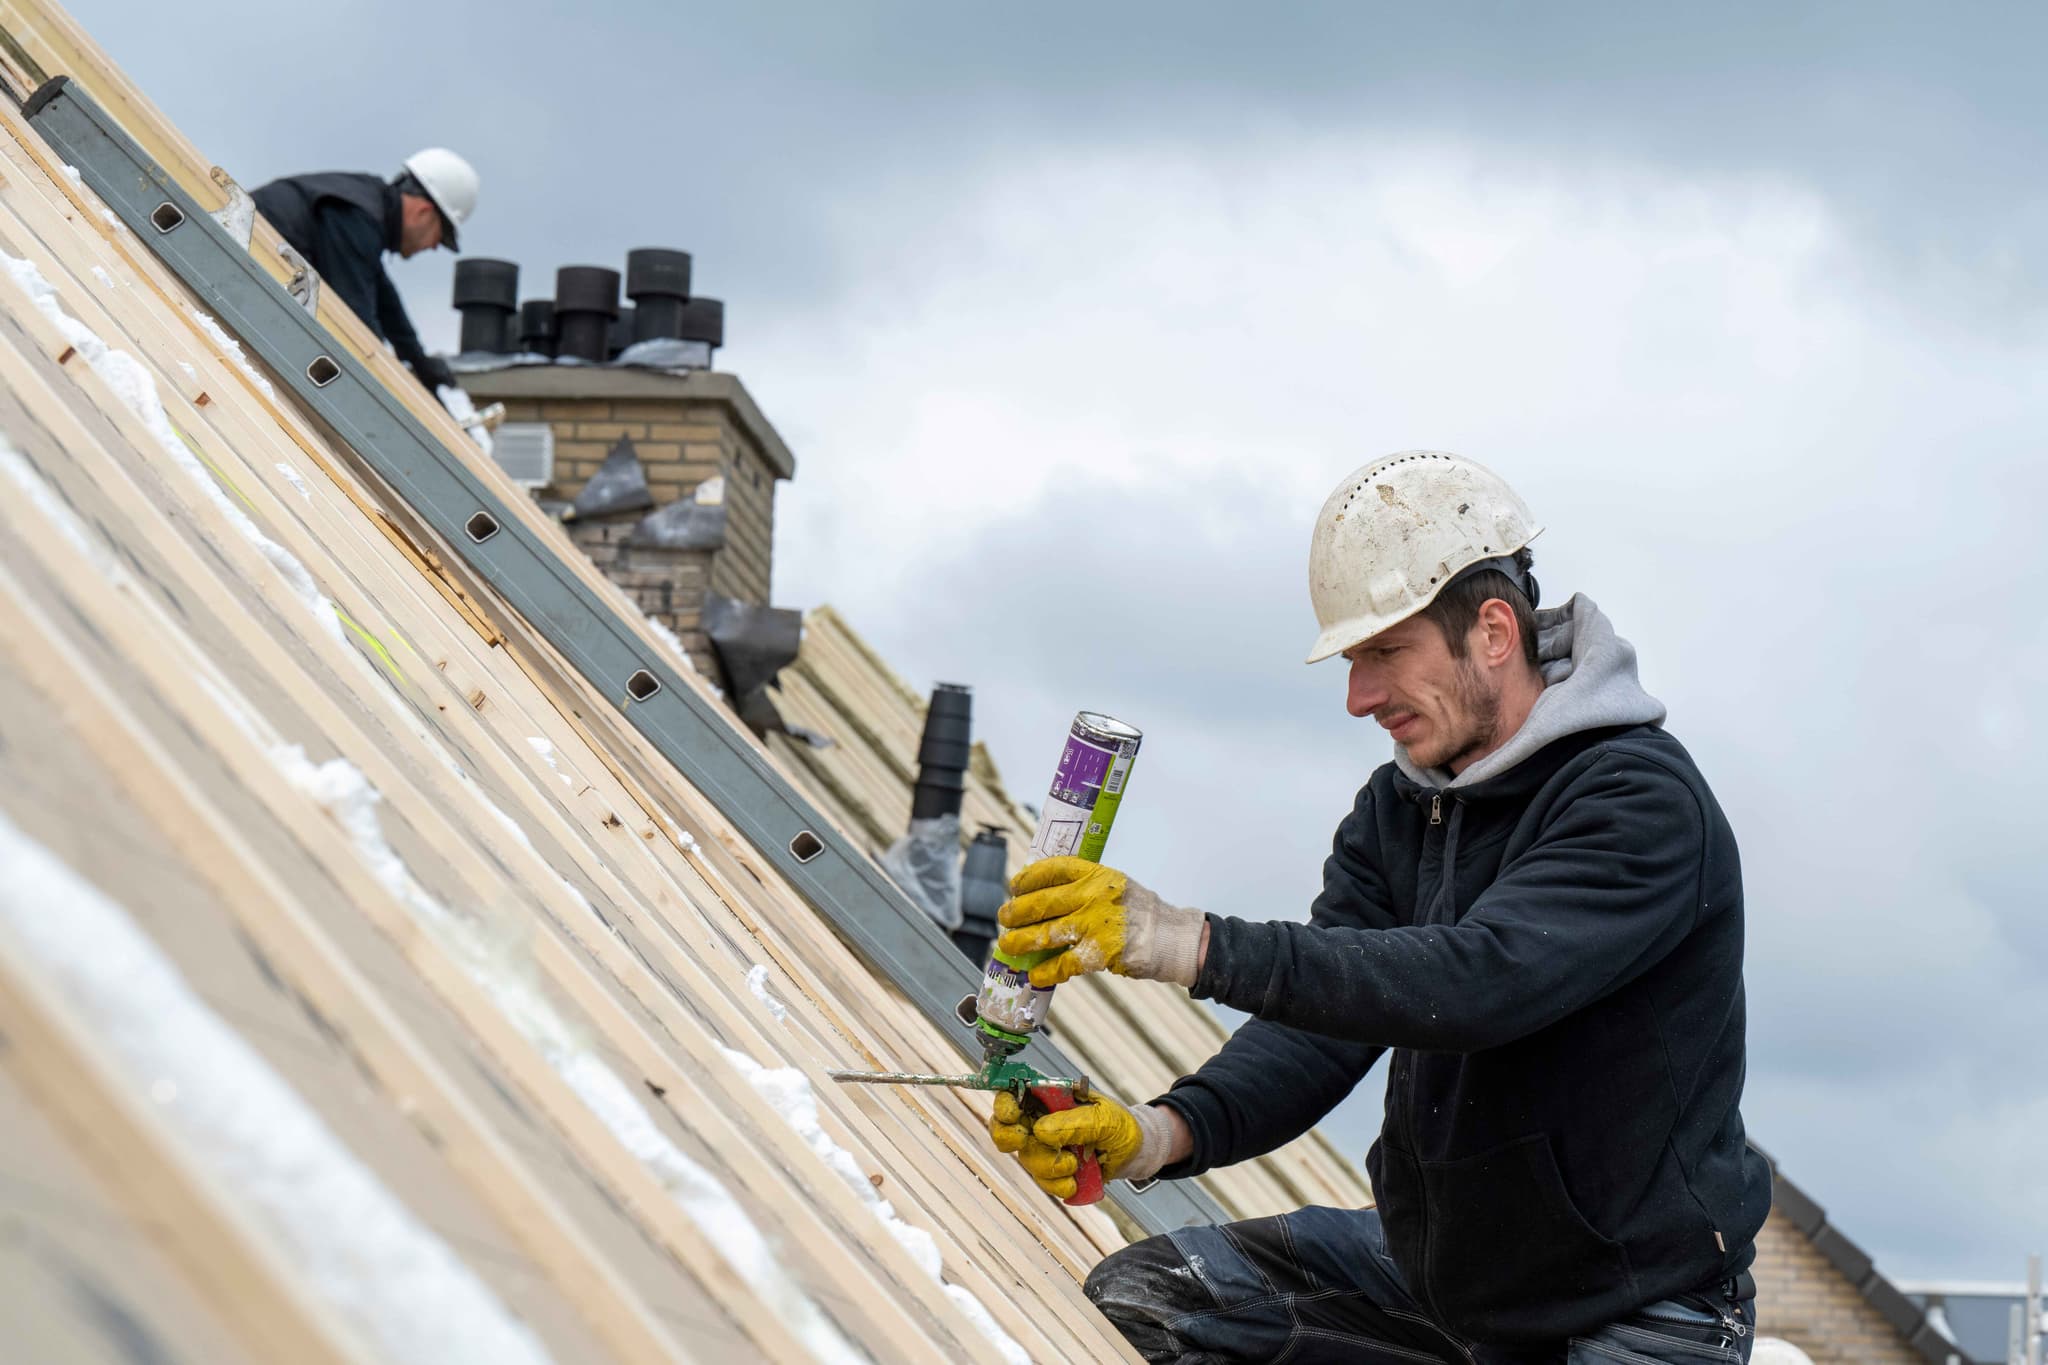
[{"x": 901, "y": 1078}]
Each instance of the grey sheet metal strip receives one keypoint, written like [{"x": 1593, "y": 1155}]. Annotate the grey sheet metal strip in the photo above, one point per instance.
[{"x": 894, "y": 938}]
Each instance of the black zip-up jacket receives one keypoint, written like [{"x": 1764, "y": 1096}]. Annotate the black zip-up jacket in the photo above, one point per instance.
[
  {"x": 343, "y": 222},
  {"x": 1555, "y": 956}
]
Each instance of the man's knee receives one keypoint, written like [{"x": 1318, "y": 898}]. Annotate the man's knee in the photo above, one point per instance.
[{"x": 1148, "y": 1283}]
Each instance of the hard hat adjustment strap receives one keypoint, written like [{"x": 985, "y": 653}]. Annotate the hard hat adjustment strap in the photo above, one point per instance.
[{"x": 1505, "y": 566}]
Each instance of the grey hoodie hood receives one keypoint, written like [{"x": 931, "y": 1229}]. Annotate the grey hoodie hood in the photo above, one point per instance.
[{"x": 1589, "y": 683}]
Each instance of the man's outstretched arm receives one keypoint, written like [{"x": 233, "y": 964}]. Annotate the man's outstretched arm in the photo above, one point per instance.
[{"x": 1267, "y": 1086}]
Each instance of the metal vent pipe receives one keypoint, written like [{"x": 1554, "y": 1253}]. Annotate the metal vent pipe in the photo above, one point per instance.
[
  {"x": 621, "y": 334},
  {"x": 703, "y": 320},
  {"x": 658, "y": 282},
  {"x": 984, "y": 886},
  {"x": 586, "y": 301},
  {"x": 537, "y": 326},
  {"x": 942, "y": 753},
  {"x": 487, "y": 296}
]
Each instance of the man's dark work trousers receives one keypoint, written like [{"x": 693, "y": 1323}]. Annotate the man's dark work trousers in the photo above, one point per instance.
[{"x": 1318, "y": 1286}]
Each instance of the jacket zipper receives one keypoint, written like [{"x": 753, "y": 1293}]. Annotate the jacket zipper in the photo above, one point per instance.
[{"x": 1436, "y": 818}]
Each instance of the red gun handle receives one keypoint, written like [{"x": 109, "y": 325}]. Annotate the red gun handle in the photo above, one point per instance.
[{"x": 1088, "y": 1175}]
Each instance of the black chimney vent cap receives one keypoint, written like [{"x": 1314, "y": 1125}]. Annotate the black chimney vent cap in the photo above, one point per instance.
[
  {"x": 659, "y": 271},
  {"x": 481, "y": 280},
  {"x": 587, "y": 289},
  {"x": 703, "y": 320}
]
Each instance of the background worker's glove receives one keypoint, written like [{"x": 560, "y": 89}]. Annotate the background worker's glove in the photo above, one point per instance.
[
  {"x": 433, "y": 372},
  {"x": 1131, "y": 1144},
  {"x": 1104, "y": 920}
]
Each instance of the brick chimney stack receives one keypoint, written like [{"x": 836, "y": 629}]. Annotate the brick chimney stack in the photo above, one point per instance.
[{"x": 700, "y": 454}]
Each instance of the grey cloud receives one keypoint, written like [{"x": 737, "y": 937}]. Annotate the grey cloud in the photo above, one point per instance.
[{"x": 736, "y": 131}]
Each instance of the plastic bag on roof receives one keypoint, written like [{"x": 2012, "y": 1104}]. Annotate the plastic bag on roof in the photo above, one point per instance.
[{"x": 926, "y": 864}]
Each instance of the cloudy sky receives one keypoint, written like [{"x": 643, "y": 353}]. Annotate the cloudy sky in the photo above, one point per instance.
[{"x": 1073, "y": 317}]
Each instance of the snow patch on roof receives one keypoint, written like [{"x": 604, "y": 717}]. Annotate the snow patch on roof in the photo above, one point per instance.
[
  {"x": 359, "y": 1248},
  {"x": 505, "y": 972},
  {"x": 788, "y": 1091},
  {"x": 59, "y": 513},
  {"x": 71, "y": 173},
  {"x": 673, "y": 641},
  {"x": 232, "y": 349},
  {"x": 757, "y": 982},
  {"x": 545, "y": 747},
  {"x": 132, "y": 383}
]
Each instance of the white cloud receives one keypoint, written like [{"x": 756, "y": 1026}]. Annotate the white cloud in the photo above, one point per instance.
[{"x": 1066, "y": 441}]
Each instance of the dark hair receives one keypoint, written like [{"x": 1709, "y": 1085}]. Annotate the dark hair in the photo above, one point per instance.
[{"x": 1456, "y": 608}]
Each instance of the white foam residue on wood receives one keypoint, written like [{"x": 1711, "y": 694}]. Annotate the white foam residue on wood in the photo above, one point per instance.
[
  {"x": 71, "y": 173},
  {"x": 672, "y": 640},
  {"x": 788, "y": 1091},
  {"x": 293, "y": 478},
  {"x": 545, "y": 747},
  {"x": 358, "y": 1249},
  {"x": 757, "y": 982},
  {"x": 232, "y": 349},
  {"x": 504, "y": 969},
  {"x": 133, "y": 384}
]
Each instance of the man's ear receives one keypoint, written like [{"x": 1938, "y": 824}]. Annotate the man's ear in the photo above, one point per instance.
[{"x": 1499, "y": 634}]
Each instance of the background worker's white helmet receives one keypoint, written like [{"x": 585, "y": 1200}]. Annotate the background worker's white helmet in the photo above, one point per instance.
[
  {"x": 449, "y": 181},
  {"x": 1396, "y": 532}
]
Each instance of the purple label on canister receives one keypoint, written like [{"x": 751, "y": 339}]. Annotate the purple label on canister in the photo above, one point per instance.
[{"x": 1081, "y": 772}]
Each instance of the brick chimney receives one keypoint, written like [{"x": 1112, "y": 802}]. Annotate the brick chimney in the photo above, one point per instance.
[{"x": 707, "y": 458}]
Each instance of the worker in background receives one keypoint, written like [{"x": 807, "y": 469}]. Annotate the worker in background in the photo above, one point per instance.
[
  {"x": 343, "y": 222},
  {"x": 1536, "y": 906}
]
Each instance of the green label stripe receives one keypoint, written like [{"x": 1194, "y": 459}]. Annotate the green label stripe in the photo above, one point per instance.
[{"x": 1096, "y": 836}]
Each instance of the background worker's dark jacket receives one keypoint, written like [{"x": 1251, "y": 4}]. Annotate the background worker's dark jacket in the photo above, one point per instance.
[
  {"x": 343, "y": 222},
  {"x": 1553, "y": 949}
]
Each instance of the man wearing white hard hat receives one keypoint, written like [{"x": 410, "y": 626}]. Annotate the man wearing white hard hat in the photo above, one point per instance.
[
  {"x": 343, "y": 222},
  {"x": 1536, "y": 909}
]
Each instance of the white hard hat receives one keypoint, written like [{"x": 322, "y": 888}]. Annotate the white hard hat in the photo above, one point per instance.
[
  {"x": 449, "y": 181},
  {"x": 1396, "y": 532}
]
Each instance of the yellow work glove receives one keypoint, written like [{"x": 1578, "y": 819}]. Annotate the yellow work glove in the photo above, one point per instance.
[
  {"x": 1102, "y": 920},
  {"x": 1128, "y": 1144}
]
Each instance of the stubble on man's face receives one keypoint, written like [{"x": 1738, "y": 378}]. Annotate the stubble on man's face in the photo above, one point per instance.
[{"x": 1469, "y": 724}]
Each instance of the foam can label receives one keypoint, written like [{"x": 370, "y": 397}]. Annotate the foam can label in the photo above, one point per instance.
[{"x": 1087, "y": 788}]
